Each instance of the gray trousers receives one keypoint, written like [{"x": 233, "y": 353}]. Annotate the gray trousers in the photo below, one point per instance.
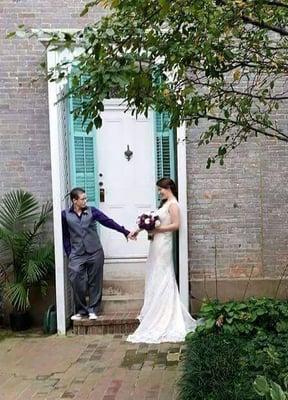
[{"x": 85, "y": 273}]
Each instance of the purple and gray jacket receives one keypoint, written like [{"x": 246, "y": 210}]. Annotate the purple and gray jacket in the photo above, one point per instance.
[{"x": 80, "y": 232}]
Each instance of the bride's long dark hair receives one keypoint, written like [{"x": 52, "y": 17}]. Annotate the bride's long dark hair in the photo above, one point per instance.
[{"x": 167, "y": 183}]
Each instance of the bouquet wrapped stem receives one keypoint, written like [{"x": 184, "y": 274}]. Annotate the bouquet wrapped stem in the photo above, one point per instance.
[{"x": 150, "y": 236}]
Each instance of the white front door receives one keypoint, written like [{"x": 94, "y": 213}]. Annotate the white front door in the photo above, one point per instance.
[{"x": 127, "y": 186}]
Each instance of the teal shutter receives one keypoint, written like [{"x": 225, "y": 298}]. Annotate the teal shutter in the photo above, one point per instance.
[
  {"x": 165, "y": 147},
  {"x": 83, "y": 155},
  {"x": 166, "y": 163}
]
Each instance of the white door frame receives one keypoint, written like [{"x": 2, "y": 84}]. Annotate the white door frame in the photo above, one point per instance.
[
  {"x": 53, "y": 89},
  {"x": 56, "y": 196},
  {"x": 183, "y": 232}
]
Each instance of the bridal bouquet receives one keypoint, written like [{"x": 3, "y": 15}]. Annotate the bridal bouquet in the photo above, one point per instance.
[{"x": 148, "y": 221}]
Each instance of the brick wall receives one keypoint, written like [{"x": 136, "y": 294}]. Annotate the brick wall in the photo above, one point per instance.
[
  {"x": 24, "y": 131},
  {"x": 242, "y": 207}
]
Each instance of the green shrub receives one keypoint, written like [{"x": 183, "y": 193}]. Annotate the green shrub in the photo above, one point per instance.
[
  {"x": 212, "y": 370},
  {"x": 237, "y": 342},
  {"x": 224, "y": 367},
  {"x": 267, "y": 355},
  {"x": 269, "y": 390},
  {"x": 27, "y": 257},
  {"x": 245, "y": 318}
]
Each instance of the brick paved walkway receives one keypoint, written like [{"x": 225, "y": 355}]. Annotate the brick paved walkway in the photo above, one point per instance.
[{"x": 87, "y": 367}]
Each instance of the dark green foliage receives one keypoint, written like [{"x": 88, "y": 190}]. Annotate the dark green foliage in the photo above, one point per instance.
[
  {"x": 26, "y": 258},
  {"x": 224, "y": 366},
  {"x": 213, "y": 371},
  {"x": 246, "y": 317},
  {"x": 240, "y": 343}
]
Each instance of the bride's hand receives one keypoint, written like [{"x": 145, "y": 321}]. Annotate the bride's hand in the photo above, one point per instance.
[{"x": 133, "y": 235}]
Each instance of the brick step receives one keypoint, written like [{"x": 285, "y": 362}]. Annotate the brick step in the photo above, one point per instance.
[
  {"x": 121, "y": 322},
  {"x": 122, "y": 303},
  {"x": 114, "y": 287}
]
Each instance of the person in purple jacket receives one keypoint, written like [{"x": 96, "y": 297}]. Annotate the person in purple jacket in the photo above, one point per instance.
[{"x": 84, "y": 250}]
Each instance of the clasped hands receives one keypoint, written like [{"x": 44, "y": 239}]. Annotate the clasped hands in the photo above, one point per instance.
[{"x": 134, "y": 233}]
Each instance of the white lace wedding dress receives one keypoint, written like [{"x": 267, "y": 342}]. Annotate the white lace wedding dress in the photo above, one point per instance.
[{"x": 163, "y": 318}]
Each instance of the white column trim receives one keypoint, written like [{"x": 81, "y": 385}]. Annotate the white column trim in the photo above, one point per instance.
[
  {"x": 183, "y": 232},
  {"x": 56, "y": 195}
]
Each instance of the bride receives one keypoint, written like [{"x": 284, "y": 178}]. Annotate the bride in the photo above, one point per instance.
[{"x": 163, "y": 318}]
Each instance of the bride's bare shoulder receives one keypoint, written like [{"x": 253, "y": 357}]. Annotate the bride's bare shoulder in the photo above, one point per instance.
[{"x": 173, "y": 203}]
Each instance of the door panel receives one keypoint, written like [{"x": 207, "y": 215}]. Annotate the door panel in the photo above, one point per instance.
[{"x": 129, "y": 186}]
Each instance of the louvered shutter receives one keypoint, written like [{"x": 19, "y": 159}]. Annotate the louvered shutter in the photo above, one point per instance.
[
  {"x": 166, "y": 163},
  {"x": 165, "y": 149},
  {"x": 83, "y": 155}
]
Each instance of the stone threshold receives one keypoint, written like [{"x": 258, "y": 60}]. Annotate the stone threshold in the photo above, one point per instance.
[{"x": 120, "y": 322}]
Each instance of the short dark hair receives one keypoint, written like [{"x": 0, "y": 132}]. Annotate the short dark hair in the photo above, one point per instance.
[{"x": 75, "y": 193}]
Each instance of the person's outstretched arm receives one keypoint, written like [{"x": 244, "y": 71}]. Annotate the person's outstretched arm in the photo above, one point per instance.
[{"x": 104, "y": 220}]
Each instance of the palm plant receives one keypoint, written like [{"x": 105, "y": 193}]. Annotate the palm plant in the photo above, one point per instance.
[{"x": 25, "y": 257}]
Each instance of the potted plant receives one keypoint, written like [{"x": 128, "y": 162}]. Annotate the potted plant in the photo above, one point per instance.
[{"x": 26, "y": 258}]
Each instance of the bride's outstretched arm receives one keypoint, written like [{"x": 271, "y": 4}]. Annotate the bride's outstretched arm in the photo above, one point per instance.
[{"x": 175, "y": 220}]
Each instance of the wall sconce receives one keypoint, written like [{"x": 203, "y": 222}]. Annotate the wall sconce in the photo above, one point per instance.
[{"x": 128, "y": 153}]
